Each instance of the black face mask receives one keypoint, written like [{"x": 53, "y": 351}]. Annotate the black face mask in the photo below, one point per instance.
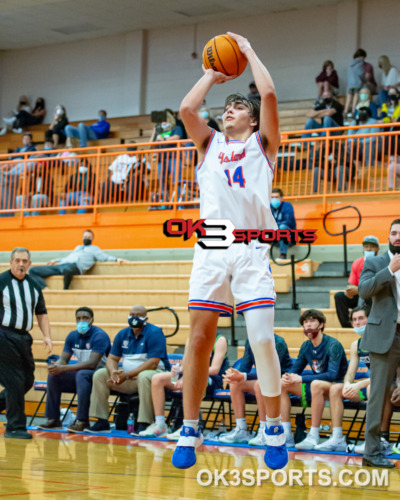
[
  {"x": 87, "y": 242},
  {"x": 394, "y": 249},
  {"x": 328, "y": 101},
  {"x": 136, "y": 321},
  {"x": 393, "y": 98}
]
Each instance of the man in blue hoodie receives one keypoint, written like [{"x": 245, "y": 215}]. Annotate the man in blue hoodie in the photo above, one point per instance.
[
  {"x": 99, "y": 130},
  {"x": 284, "y": 215}
]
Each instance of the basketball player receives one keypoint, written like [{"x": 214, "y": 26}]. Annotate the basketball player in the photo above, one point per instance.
[{"x": 235, "y": 174}]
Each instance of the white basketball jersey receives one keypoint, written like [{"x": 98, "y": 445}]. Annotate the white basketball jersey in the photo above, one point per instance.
[{"x": 235, "y": 182}]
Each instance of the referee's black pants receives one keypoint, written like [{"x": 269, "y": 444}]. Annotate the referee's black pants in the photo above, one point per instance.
[
  {"x": 16, "y": 374},
  {"x": 67, "y": 270}
]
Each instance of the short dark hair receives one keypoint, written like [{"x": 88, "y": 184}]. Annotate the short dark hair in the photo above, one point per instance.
[
  {"x": 364, "y": 308},
  {"x": 396, "y": 221},
  {"x": 28, "y": 134},
  {"x": 103, "y": 111},
  {"x": 85, "y": 309},
  {"x": 252, "y": 104},
  {"x": 313, "y": 314},
  {"x": 360, "y": 53},
  {"x": 20, "y": 249},
  {"x": 88, "y": 231},
  {"x": 279, "y": 191}
]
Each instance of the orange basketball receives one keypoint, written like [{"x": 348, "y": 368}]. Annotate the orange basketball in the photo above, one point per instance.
[{"x": 222, "y": 54}]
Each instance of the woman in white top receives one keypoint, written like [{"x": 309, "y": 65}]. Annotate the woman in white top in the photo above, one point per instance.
[{"x": 390, "y": 77}]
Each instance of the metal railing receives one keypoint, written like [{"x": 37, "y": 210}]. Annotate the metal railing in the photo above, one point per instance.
[
  {"x": 174, "y": 314},
  {"x": 320, "y": 168}
]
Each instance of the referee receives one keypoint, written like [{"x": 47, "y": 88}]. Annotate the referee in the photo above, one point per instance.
[{"x": 20, "y": 299}]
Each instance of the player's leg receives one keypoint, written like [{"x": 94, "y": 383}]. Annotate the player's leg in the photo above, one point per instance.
[
  {"x": 203, "y": 329},
  {"x": 239, "y": 434},
  {"x": 319, "y": 392},
  {"x": 260, "y": 439},
  {"x": 259, "y": 323},
  {"x": 337, "y": 442}
]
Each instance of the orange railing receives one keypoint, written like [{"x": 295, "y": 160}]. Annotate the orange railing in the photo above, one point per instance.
[{"x": 346, "y": 165}]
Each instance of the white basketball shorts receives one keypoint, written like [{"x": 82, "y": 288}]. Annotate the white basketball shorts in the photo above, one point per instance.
[{"x": 240, "y": 274}]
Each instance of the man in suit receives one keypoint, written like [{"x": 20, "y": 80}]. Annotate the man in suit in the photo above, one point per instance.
[{"x": 380, "y": 281}]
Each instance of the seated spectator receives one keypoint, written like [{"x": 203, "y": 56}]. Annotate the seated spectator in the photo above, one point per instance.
[
  {"x": 326, "y": 358},
  {"x": 329, "y": 111},
  {"x": 35, "y": 117},
  {"x": 70, "y": 143},
  {"x": 161, "y": 381},
  {"x": 39, "y": 187},
  {"x": 90, "y": 345},
  {"x": 127, "y": 179},
  {"x": 254, "y": 94},
  {"x": 56, "y": 131},
  {"x": 284, "y": 216},
  {"x": 390, "y": 111},
  {"x": 355, "y": 73},
  {"x": 327, "y": 80},
  {"x": 23, "y": 105},
  {"x": 99, "y": 130},
  {"x": 206, "y": 114},
  {"x": 80, "y": 188},
  {"x": 364, "y": 148},
  {"x": 27, "y": 146},
  {"x": 80, "y": 260},
  {"x": 143, "y": 350},
  {"x": 243, "y": 381},
  {"x": 366, "y": 102},
  {"x": 167, "y": 131},
  {"x": 353, "y": 390},
  {"x": 368, "y": 77},
  {"x": 390, "y": 78},
  {"x": 348, "y": 299}
]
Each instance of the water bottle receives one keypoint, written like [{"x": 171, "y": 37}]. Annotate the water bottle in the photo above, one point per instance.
[
  {"x": 130, "y": 424},
  {"x": 175, "y": 371}
]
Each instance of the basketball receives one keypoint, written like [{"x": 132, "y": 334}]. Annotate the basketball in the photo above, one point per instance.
[{"x": 222, "y": 54}]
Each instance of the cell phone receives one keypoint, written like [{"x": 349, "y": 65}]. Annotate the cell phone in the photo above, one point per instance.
[{"x": 158, "y": 116}]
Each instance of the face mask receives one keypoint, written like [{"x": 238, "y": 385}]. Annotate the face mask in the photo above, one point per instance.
[
  {"x": 369, "y": 253},
  {"x": 83, "y": 170},
  {"x": 47, "y": 148},
  {"x": 59, "y": 112},
  {"x": 204, "y": 114},
  {"x": 328, "y": 101},
  {"x": 82, "y": 327},
  {"x": 136, "y": 321},
  {"x": 102, "y": 118},
  {"x": 394, "y": 249},
  {"x": 359, "y": 329},
  {"x": 87, "y": 242},
  {"x": 165, "y": 126},
  {"x": 275, "y": 202},
  {"x": 311, "y": 333},
  {"x": 393, "y": 98},
  {"x": 364, "y": 97}
]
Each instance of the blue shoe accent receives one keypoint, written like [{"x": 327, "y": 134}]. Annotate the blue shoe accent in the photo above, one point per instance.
[
  {"x": 184, "y": 455},
  {"x": 276, "y": 455}
]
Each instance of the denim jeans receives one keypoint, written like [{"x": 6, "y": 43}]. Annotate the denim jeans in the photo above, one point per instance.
[
  {"x": 82, "y": 132},
  {"x": 283, "y": 245},
  {"x": 327, "y": 122},
  {"x": 38, "y": 200},
  {"x": 75, "y": 198},
  {"x": 167, "y": 169}
]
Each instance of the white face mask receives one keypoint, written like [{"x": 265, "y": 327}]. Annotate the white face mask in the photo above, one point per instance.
[
  {"x": 369, "y": 253},
  {"x": 359, "y": 329},
  {"x": 59, "y": 112},
  {"x": 83, "y": 170}
]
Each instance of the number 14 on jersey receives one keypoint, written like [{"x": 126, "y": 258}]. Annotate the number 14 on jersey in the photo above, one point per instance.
[{"x": 237, "y": 177}]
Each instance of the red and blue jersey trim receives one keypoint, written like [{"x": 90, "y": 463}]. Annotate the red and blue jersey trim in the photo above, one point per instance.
[
  {"x": 258, "y": 137},
  {"x": 255, "y": 304},
  {"x": 206, "y": 151},
  {"x": 209, "y": 305}
]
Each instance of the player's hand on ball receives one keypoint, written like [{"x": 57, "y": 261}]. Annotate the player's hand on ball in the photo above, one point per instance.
[
  {"x": 243, "y": 43},
  {"x": 217, "y": 77}
]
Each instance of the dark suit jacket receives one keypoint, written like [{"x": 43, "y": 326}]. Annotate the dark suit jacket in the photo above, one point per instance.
[{"x": 377, "y": 283}]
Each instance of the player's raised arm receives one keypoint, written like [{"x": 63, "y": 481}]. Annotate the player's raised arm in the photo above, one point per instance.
[
  {"x": 269, "y": 118},
  {"x": 195, "y": 125}
]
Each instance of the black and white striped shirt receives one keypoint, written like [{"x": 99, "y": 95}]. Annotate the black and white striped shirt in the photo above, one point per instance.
[{"x": 19, "y": 301}]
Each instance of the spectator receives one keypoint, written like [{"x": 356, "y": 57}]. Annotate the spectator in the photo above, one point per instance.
[
  {"x": 390, "y": 78},
  {"x": 353, "y": 390},
  {"x": 244, "y": 380},
  {"x": 254, "y": 94},
  {"x": 99, "y": 130},
  {"x": 39, "y": 186},
  {"x": 56, "y": 131},
  {"x": 327, "y": 359},
  {"x": 355, "y": 74},
  {"x": 25, "y": 119},
  {"x": 368, "y": 77},
  {"x": 127, "y": 179},
  {"x": 206, "y": 114},
  {"x": 363, "y": 148},
  {"x": 80, "y": 260},
  {"x": 161, "y": 381},
  {"x": 90, "y": 346},
  {"x": 366, "y": 102},
  {"x": 80, "y": 188},
  {"x": 391, "y": 108},
  {"x": 329, "y": 111},
  {"x": 340, "y": 166},
  {"x": 327, "y": 80},
  {"x": 167, "y": 131},
  {"x": 23, "y": 105},
  {"x": 70, "y": 143},
  {"x": 284, "y": 216},
  {"x": 143, "y": 350},
  {"x": 348, "y": 299}
]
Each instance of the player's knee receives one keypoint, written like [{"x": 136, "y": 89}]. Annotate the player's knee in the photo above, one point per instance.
[
  {"x": 263, "y": 344},
  {"x": 316, "y": 386}
]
